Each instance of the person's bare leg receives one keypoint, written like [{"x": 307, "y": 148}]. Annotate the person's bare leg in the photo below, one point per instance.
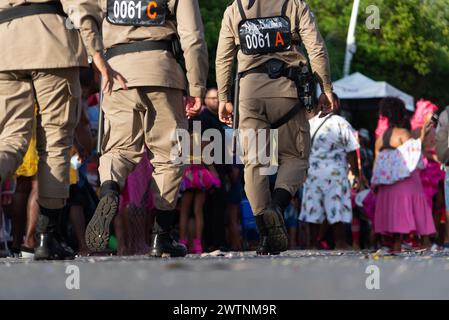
[
  {"x": 314, "y": 231},
  {"x": 186, "y": 202},
  {"x": 439, "y": 208},
  {"x": 340, "y": 238},
  {"x": 373, "y": 240},
  {"x": 79, "y": 224},
  {"x": 397, "y": 241},
  {"x": 446, "y": 228},
  {"x": 426, "y": 243},
  {"x": 190, "y": 230},
  {"x": 234, "y": 227},
  {"x": 324, "y": 228},
  {"x": 137, "y": 221},
  {"x": 292, "y": 238},
  {"x": 436, "y": 223},
  {"x": 120, "y": 233},
  {"x": 131, "y": 213},
  {"x": 303, "y": 235},
  {"x": 200, "y": 198},
  {"x": 32, "y": 215},
  {"x": 149, "y": 221},
  {"x": 19, "y": 210}
]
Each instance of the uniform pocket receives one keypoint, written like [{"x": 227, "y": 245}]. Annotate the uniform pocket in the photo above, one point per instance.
[
  {"x": 73, "y": 106},
  {"x": 303, "y": 143}
]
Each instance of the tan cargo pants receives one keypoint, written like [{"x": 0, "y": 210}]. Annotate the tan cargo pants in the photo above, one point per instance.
[
  {"x": 58, "y": 95},
  {"x": 293, "y": 148},
  {"x": 137, "y": 117}
]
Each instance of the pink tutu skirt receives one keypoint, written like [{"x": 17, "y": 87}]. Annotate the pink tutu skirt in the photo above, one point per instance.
[
  {"x": 137, "y": 190},
  {"x": 198, "y": 177},
  {"x": 402, "y": 208}
]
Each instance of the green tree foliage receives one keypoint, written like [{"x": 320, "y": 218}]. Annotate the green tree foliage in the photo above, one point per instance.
[
  {"x": 410, "y": 50},
  {"x": 212, "y": 12}
]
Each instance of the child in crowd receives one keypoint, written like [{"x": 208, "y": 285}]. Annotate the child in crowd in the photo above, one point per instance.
[
  {"x": 234, "y": 197},
  {"x": 432, "y": 176},
  {"x": 197, "y": 180},
  {"x": 24, "y": 206}
]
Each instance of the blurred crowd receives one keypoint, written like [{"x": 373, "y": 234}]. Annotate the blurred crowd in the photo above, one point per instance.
[{"x": 364, "y": 190}]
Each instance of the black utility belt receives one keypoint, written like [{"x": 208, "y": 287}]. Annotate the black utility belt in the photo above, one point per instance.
[
  {"x": 303, "y": 79},
  {"x": 31, "y": 9},
  {"x": 150, "y": 45},
  {"x": 275, "y": 69}
]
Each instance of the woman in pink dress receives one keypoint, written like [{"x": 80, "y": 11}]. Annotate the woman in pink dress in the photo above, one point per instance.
[
  {"x": 432, "y": 176},
  {"x": 401, "y": 205}
]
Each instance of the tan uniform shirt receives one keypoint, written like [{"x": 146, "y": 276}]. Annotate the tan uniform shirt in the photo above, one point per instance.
[
  {"x": 304, "y": 28},
  {"x": 48, "y": 40},
  {"x": 159, "y": 68},
  {"x": 442, "y": 138}
]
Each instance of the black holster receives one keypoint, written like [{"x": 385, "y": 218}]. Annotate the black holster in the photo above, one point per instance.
[
  {"x": 177, "y": 49},
  {"x": 305, "y": 85},
  {"x": 302, "y": 78}
]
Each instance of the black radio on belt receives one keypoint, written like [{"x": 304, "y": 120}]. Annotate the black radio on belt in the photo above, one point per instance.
[
  {"x": 139, "y": 13},
  {"x": 305, "y": 84},
  {"x": 265, "y": 35},
  {"x": 306, "y": 88}
]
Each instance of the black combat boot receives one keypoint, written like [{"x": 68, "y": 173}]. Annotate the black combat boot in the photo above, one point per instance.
[
  {"x": 274, "y": 221},
  {"x": 50, "y": 245},
  {"x": 262, "y": 248},
  {"x": 163, "y": 244},
  {"x": 99, "y": 227}
]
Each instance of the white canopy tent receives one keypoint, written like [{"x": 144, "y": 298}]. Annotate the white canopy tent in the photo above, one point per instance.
[{"x": 358, "y": 86}]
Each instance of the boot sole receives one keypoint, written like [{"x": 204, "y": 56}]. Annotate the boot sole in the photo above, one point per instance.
[
  {"x": 277, "y": 234},
  {"x": 98, "y": 229},
  {"x": 45, "y": 256}
]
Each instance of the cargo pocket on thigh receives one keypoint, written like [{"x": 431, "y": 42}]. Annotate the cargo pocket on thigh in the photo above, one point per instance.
[
  {"x": 71, "y": 105},
  {"x": 75, "y": 104},
  {"x": 303, "y": 143},
  {"x": 106, "y": 135}
]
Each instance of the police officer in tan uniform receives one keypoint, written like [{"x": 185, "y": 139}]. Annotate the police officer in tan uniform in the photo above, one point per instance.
[
  {"x": 143, "y": 39},
  {"x": 275, "y": 92},
  {"x": 41, "y": 52}
]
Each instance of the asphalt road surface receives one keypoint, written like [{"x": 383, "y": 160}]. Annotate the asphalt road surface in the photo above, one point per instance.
[{"x": 292, "y": 275}]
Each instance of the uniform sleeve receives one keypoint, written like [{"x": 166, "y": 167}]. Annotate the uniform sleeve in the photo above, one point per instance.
[
  {"x": 348, "y": 137},
  {"x": 442, "y": 128},
  {"x": 442, "y": 138},
  {"x": 86, "y": 16},
  {"x": 191, "y": 34},
  {"x": 315, "y": 46},
  {"x": 226, "y": 51}
]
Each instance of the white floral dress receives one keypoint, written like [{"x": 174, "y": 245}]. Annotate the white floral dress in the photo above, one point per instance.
[{"x": 327, "y": 192}]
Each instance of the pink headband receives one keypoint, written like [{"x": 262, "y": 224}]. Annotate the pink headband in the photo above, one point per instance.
[{"x": 423, "y": 109}]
